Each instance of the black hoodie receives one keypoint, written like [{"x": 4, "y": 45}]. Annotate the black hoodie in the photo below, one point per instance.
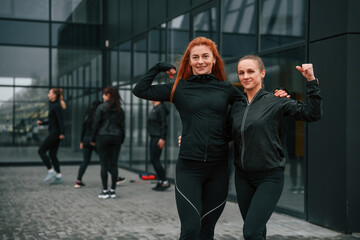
[
  {"x": 202, "y": 102},
  {"x": 55, "y": 118}
]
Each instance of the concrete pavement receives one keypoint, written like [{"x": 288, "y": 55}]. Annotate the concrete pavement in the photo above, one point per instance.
[{"x": 32, "y": 209}]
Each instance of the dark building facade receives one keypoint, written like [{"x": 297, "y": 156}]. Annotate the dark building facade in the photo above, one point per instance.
[{"x": 85, "y": 45}]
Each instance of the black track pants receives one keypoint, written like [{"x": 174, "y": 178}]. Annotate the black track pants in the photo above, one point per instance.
[
  {"x": 87, "y": 152},
  {"x": 155, "y": 153},
  {"x": 108, "y": 148},
  {"x": 51, "y": 144},
  {"x": 257, "y": 195},
  {"x": 201, "y": 192}
]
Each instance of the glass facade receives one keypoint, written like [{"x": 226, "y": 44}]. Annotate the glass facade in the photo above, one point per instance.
[{"x": 62, "y": 44}]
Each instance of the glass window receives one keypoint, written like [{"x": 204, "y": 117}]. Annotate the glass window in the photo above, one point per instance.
[
  {"x": 238, "y": 28},
  {"x": 77, "y": 11},
  {"x": 139, "y": 16},
  {"x": 205, "y": 24},
  {"x": 281, "y": 72},
  {"x": 281, "y": 22},
  {"x": 67, "y": 61},
  {"x": 178, "y": 38},
  {"x": 27, "y": 33},
  {"x": 125, "y": 62},
  {"x": 25, "y": 9},
  {"x": 124, "y": 156},
  {"x": 157, "y": 45},
  {"x": 6, "y": 116},
  {"x": 25, "y": 62},
  {"x": 113, "y": 65},
  {"x": 76, "y": 35}
]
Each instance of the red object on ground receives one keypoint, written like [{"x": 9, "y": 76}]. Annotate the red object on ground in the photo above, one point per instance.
[{"x": 148, "y": 177}]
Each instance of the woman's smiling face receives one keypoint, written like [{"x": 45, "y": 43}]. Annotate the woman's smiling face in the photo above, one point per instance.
[{"x": 201, "y": 60}]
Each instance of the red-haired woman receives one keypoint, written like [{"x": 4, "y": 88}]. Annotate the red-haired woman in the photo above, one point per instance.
[
  {"x": 202, "y": 96},
  {"x": 109, "y": 128},
  {"x": 56, "y": 133}
]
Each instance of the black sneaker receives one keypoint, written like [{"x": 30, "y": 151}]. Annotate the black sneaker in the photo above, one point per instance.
[
  {"x": 104, "y": 194},
  {"x": 165, "y": 185},
  {"x": 112, "y": 193},
  {"x": 79, "y": 184},
  {"x": 120, "y": 180},
  {"x": 157, "y": 187}
]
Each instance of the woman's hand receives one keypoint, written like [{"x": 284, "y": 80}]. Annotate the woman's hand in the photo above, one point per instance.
[
  {"x": 61, "y": 136},
  {"x": 81, "y": 145},
  {"x": 161, "y": 143},
  {"x": 93, "y": 144},
  {"x": 39, "y": 122},
  {"x": 307, "y": 70},
  {"x": 179, "y": 140},
  {"x": 281, "y": 93},
  {"x": 171, "y": 72}
]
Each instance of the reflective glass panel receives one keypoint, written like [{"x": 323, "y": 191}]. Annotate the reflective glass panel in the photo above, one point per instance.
[
  {"x": 25, "y": 9},
  {"x": 205, "y": 24},
  {"x": 238, "y": 28},
  {"x": 77, "y": 11},
  {"x": 27, "y": 33},
  {"x": 178, "y": 38},
  {"x": 281, "y": 72},
  {"x": 124, "y": 156},
  {"x": 157, "y": 45},
  {"x": 125, "y": 62},
  {"x": 25, "y": 62},
  {"x": 281, "y": 22}
]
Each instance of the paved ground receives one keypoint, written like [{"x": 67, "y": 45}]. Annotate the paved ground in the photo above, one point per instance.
[{"x": 31, "y": 209}]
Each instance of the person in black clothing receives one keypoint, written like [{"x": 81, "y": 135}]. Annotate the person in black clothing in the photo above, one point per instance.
[
  {"x": 56, "y": 134},
  {"x": 259, "y": 157},
  {"x": 85, "y": 145},
  {"x": 109, "y": 128},
  {"x": 157, "y": 128},
  {"x": 201, "y": 95}
]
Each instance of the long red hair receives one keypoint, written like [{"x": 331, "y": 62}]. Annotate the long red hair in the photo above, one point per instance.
[{"x": 185, "y": 70}]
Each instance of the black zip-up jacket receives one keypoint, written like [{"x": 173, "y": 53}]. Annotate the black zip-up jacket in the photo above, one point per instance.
[
  {"x": 108, "y": 122},
  {"x": 157, "y": 122},
  {"x": 202, "y": 102},
  {"x": 255, "y": 127},
  {"x": 86, "y": 130},
  {"x": 55, "y": 118}
]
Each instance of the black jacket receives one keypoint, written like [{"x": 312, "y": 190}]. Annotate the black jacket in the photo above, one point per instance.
[
  {"x": 157, "y": 122},
  {"x": 255, "y": 127},
  {"x": 55, "y": 118},
  {"x": 86, "y": 130},
  {"x": 202, "y": 102},
  {"x": 108, "y": 122}
]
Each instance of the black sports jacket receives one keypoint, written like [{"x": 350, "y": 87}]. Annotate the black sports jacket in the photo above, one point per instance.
[
  {"x": 255, "y": 126},
  {"x": 202, "y": 102},
  {"x": 108, "y": 122},
  {"x": 55, "y": 118},
  {"x": 157, "y": 122}
]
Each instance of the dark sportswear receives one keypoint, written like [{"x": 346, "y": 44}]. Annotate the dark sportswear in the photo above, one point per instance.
[
  {"x": 156, "y": 121},
  {"x": 108, "y": 121},
  {"x": 109, "y": 128},
  {"x": 202, "y": 102},
  {"x": 259, "y": 157},
  {"x": 255, "y": 126},
  {"x": 202, "y": 170},
  {"x": 52, "y": 141}
]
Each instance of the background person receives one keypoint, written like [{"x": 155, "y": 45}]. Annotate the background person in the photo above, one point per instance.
[{"x": 56, "y": 134}]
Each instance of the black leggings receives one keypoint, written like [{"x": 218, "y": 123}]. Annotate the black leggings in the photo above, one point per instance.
[
  {"x": 87, "y": 152},
  {"x": 51, "y": 144},
  {"x": 155, "y": 153},
  {"x": 201, "y": 192},
  {"x": 108, "y": 148},
  {"x": 257, "y": 195}
]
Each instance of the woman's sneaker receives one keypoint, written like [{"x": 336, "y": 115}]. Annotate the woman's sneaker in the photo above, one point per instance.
[
  {"x": 49, "y": 176},
  {"x": 104, "y": 194},
  {"x": 112, "y": 193},
  {"x": 120, "y": 180},
  {"x": 79, "y": 184},
  {"x": 57, "y": 180}
]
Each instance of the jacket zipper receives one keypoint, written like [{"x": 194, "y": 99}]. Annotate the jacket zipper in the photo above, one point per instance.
[{"x": 242, "y": 129}]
